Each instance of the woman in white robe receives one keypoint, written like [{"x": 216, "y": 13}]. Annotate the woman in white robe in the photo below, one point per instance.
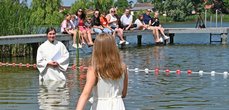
[{"x": 52, "y": 58}]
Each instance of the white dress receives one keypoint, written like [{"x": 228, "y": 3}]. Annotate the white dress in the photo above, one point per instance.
[{"x": 107, "y": 95}]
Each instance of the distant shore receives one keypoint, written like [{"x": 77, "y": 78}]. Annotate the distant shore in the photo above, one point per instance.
[{"x": 193, "y": 18}]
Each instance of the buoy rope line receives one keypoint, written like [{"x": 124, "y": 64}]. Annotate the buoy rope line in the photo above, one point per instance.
[{"x": 146, "y": 70}]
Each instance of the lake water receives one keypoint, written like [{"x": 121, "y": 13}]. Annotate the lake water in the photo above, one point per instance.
[{"x": 20, "y": 88}]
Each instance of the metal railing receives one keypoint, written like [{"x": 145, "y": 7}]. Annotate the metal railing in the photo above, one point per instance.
[{"x": 217, "y": 12}]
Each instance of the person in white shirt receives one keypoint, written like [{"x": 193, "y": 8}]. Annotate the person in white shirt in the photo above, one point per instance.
[
  {"x": 127, "y": 20},
  {"x": 52, "y": 58}
]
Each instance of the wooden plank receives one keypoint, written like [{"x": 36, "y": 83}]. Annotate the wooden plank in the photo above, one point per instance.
[
  {"x": 197, "y": 30},
  {"x": 34, "y": 38}
]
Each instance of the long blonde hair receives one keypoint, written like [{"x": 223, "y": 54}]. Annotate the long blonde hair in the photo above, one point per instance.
[{"x": 106, "y": 59}]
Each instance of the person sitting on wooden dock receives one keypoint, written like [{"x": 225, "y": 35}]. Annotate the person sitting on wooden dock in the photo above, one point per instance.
[
  {"x": 96, "y": 25},
  {"x": 157, "y": 26},
  {"x": 104, "y": 23},
  {"x": 127, "y": 20},
  {"x": 68, "y": 28},
  {"x": 84, "y": 31},
  {"x": 113, "y": 22},
  {"x": 147, "y": 18}
]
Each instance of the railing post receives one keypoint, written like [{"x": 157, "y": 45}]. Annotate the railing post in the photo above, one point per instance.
[
  {"x": 210, "y": 38},
  {"x": 211, "y": 21},
  {"x": 139, "y": 39},
  {"x": 205, "y": 18},
  {"x": 171, "y": 36},
  {"x": 34, "y": 49},
  {"x": 216, "y": 18},
  {"x": 221, "y": 20},
  {"x": 224, "y": 38}
]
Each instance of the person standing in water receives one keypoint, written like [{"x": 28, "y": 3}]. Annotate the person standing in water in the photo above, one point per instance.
[
  {"x": 52, "y": 58},
  {"x": 107, "y": 77}
]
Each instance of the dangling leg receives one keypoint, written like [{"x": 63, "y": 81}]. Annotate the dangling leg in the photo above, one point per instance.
[{"x": 90, "y": 42}]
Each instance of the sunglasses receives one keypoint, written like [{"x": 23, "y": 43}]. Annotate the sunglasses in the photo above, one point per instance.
[
  {"x": 96, "y": 13},
  {"x": 112, "y": 11},
  {"x": 80, "y": 11}
]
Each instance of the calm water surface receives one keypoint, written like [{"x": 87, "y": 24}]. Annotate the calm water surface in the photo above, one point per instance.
[{"x": 20, "y": 88}]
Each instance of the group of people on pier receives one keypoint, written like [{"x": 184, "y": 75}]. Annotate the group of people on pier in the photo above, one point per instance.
[{"x": 83, "y": 26}]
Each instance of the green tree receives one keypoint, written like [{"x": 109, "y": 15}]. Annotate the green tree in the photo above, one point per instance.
[
  {"x": 178, "y": 10},
  {"x": 46, "y": 12},
  {"x": 103, "y": 5},
  {"x": 122, "y": 4},
  {"x": 158, "y": 4},
  {"x": 226, "y": 3},
  {"x": 14, "y": 17},
  {"x": 83, "y": 4}
]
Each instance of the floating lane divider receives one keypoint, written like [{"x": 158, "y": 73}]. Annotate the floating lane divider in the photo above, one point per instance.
[
  {"x": 136, "y": 70},
  {"x": 178, "y": 72},
  {"x": 18, "y": 64}
]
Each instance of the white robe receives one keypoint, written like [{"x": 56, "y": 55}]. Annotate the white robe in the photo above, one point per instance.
[{"x": 47, "y": 52}]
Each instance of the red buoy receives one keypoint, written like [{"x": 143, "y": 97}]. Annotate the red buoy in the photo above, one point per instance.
[
  {"x": 167, "y": 71},
  {"x": 27, "y": 65},
  {"x": 189, "y": 72},
  {"x": 178, "y": 72},
  {"x": 156, "y": 70},
  {"x": 20, "y": 65}
]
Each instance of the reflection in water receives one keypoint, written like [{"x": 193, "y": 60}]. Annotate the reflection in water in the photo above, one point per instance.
[
  {"x": 53, "y": 95},
  {"x": 157, "y": 54}
]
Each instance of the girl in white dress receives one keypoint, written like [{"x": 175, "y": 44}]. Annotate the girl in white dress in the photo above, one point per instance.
[{"x": 107, "y": 77}]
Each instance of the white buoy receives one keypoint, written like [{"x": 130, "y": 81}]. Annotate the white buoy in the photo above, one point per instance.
[
  {"x": 225, "y": 74},
  {"x": 136, "y": 70},
  {"x": 213, "y": 73},
  {"x": 146, "y": 70},
  {"x": 201, "y": 73}
]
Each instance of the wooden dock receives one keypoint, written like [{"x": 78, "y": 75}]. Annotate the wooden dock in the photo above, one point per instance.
[
  {"x": 38, "y": 38},
  {"x": 223, "y": 32}
]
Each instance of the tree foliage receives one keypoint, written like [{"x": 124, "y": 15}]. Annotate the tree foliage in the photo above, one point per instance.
[
  {"x": 14, "y": 17},
  {"x": 83, "y": 4},
  {"x": 102, "y": 5},
  {"x": 178, "y": 10},
  {"x": 122, "y": 4},
  {"x": 46, "y": 12}
]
